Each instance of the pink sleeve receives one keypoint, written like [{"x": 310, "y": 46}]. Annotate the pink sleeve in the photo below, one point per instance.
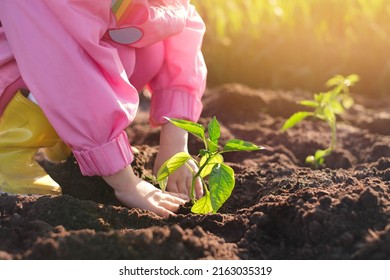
[
  {"x": 77, "y": 78},
  {"x": 179, "y": 86},
  {"x": 9, "y": 72}
]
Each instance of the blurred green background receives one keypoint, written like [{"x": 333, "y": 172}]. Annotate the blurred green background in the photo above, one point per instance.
[{"x": 290, "y": 44}]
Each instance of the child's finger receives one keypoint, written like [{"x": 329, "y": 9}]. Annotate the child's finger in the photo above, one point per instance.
[
  {"x": 172, "y": 186},
  {"x": 183, "y": 197},
  {"x": 198, "y": 188},
  {"x": 179, "y": 189},
  {"x": 165, "y": 213},
  {"x": 182, "y": 186},
  {"x": 170, "y": 206}
]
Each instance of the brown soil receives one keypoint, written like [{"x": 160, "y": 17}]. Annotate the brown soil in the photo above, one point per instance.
[{"x": 279, "y": 209}]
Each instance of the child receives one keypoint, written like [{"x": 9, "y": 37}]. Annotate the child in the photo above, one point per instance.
[{"x": 83, "y": 62}]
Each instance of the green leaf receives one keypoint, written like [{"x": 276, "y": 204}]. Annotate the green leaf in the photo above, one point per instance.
[
  {"x": 295, "y": 118},
  {"x": 318, "y": 97},
  {"x": 327, "y": 97},
  {"x": 351, "y": 80},
  {"x": 210, "y": 164},
  {"x": 340, "y": 82},
  {"x": 163, "y": 183},
  {"x": 347, "y": 102},
  {"x": 314, "y": 162},
  {"x": 329, "y": 115},
  {"x": 335, "y": 81},
  {"x": 191, "y": 127},
  {"x": 212, "y": 146},
  {"x": 310, "y": 160},
  {"x": 214, "y": 130},
  {"x": 319, "y": 157},
  {"x": 309, "y": 103},
  {"x": 170, "y": 166},
  {"x": 221, "y": 183},
  {"x": 322, "y": 98},
  {"x": 336, "y": 107},
  {"x": 237, "y": 145},
  {"x": 320, "y": 154},
  {"x": 203, "y": 205}
]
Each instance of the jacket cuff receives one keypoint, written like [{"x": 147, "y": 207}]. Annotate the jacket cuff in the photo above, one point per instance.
[
  {"x": 174, "y": 104},
  {"x": 107, "y": 159}
]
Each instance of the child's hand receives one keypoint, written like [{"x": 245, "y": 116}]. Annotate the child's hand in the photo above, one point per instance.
[
  {"x": 135, "y": 192},
  {"x": 174, "y": 140}
]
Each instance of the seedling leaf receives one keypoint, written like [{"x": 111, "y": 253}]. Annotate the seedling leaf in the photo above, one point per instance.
[
  {"x": 329, "y": 115},
  {"x": 236, "y": 145},
  {"x": 214, "y": 130},
  {"x": 319, "y": 157},
  {"x": 353, "y": 78},
  {"x": 336, "y": 107},
  {"x": 309, "y": 103},
  {"x": 189, "y": 126},
  {"x": 203, "y": 205},
  {"x": 347, "y": 102},
  {"x": 213, "y": 146},
  {"x": 314, "y": 162},
  {"x": 318, "y": 97},
  {"x": 335, "y": 81},
  {"x": 163, "y": 183},
  {"x": 221, "y": 184},
  {"x": 170, "y": 166},
  {"x": 210, "y": 164},
  {"x": 295, "y": 118},
  {"x": 319, "y": 154}
]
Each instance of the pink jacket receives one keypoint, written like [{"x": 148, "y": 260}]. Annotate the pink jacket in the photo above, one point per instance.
[{"x": 64, "y": 52}]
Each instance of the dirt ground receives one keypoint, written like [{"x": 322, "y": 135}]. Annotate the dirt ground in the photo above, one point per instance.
[{"x": 279, "y": 209}]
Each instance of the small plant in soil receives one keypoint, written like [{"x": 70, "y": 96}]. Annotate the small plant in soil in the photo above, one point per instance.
[
  {"x": 216, "y": 177},
  {"x": 326, "y": 105}
]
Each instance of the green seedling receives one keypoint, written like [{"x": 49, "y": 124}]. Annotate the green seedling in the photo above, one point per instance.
[
  {"x": 216, "y": 177},
  {"x": 326, "y": 105}
]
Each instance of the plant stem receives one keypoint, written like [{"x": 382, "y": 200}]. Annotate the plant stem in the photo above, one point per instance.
[
  {"x": 334, "y": 137},
  {"x": 198, "y": 175}
]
